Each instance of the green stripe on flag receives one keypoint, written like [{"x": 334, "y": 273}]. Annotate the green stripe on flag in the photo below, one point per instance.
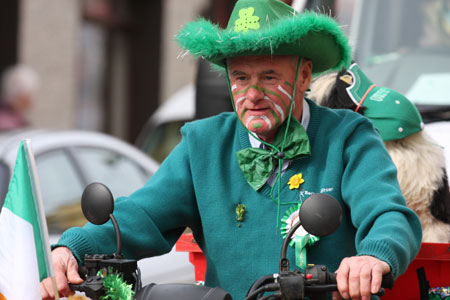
[{"x": 20, "y": 202}]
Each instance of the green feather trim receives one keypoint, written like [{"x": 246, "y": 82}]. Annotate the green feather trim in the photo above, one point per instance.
[
  {"x": 116, "y": 288},
  {"x": 302, "y": 34}
]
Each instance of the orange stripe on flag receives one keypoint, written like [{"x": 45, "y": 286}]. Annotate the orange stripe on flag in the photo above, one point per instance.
[{"x": 2, "y": 297}]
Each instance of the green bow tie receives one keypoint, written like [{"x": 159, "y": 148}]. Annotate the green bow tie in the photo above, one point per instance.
[{"x": 257, "y": 164}]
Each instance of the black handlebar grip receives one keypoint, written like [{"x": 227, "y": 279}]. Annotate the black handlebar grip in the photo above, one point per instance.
[
  {"x": 387, "y": 281},
  {"x": 92, "y": 287}
]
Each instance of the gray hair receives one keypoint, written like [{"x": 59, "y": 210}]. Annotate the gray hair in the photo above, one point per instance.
[{"x": 18, "y": 80}]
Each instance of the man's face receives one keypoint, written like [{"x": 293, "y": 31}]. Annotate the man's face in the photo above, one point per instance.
[{"x": 262, "y": 88}]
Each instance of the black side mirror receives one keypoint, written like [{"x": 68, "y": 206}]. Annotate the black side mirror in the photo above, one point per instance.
[
  {"x": 320, "y": 214},
  {"x": 97, "y": 203}
]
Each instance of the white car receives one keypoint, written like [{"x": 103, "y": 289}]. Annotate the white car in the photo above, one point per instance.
[{"x": 67, "y": 161}]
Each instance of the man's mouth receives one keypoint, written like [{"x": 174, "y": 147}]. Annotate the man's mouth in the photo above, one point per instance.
[{"x": 258, "y": 111}]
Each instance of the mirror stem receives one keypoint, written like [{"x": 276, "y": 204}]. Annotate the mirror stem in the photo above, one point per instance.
[
  {"x": 118, "y": 237},
  {"x": 284, "y": 262}
]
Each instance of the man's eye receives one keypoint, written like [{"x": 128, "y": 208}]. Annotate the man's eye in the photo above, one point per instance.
[
  {"x": 241, "y": 78},
  {"x": 269, "y": 78}
]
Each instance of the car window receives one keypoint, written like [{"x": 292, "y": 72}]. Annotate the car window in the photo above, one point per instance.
[
  {"x": 121, "y": 174},
  {"x": 160, "y": 141},
  {"x": 61, "y": 189},
  {"x": 405, "y": 45}
]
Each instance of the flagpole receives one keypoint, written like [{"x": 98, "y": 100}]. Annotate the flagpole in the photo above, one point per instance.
[{"x": 40, "y": 212}]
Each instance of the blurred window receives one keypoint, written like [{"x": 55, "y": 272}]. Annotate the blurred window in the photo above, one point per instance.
[
  {"x": 60, "y": 184},
  {"x": 405, "y": 45},
  {"x": 61, "y": 189},
  {"x": 119, "y": 173},
  {"x": 93, "y": 54},
  {"x": 160, "y": 141}
]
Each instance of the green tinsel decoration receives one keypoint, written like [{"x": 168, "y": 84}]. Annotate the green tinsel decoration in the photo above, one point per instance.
[{"x": 115, "y": 286}]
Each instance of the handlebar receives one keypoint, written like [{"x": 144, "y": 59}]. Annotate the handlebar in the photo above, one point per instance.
[
  {"x": 95, "y": 264},
  {"x": 294, "y": 285}
]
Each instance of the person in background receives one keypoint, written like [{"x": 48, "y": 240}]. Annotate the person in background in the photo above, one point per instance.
[{"x": 19, "y": 86}]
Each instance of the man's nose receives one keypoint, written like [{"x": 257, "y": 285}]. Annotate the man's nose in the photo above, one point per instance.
[{"x": 255, "y": 93}]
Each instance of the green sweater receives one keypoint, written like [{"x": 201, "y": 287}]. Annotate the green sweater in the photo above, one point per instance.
[{"x": 200, "y": 184}]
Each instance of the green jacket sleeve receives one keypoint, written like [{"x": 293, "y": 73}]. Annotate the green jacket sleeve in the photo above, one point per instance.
[
  {"x": 151, "y": 219},
  {"x": 386, "y": 227}
]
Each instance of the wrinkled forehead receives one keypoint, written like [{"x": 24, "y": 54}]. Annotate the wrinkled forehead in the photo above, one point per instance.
[{"x": 263, "y": 61}]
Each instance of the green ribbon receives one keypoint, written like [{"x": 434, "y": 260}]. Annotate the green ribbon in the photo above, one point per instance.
[
  {"x": 258, "y": 164},
  {"x": 300, "y": 250},
  {"x": 301, "y": 238}
]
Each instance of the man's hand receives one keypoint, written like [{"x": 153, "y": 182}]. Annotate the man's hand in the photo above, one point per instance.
[
  {"x": 360, "y": 276},
  {"x": 66, "y": 270}
]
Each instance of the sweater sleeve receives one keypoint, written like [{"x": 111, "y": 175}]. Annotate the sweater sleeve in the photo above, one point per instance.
[
  {"x": 150, "y": 220},
  {"x": 386, "y": 227}
]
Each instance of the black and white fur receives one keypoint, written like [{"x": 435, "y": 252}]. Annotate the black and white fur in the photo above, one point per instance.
[{"x": 420, "y": 164}]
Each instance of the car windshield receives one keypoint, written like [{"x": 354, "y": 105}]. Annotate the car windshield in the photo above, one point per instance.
[{"x": 405, "y": 45}]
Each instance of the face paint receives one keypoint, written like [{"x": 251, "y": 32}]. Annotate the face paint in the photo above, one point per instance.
[
  {"x": 289, "y": 84},
  {"x": 266, "y": 91},
  {"x": 243, "y": 113},
  {"x": 275, "y": 116},
  {"x": 265, "y": 119},
  {"x": 233, "y": 87},
  {"x": 257, "y": 125},
  {"x": 280, "y": 88},
  {"x": 240, "y": 92},
  {"x": 286, "y": 107},
  {"x": 239, "y": 100},
  {"x": 258, "y": 88},
  {"x": 277, "y": 107},
  {"x": 278, "y": 118}
]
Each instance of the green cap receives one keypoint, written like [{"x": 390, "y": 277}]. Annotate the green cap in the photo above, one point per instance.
[
  {"x": 269, "y": 27},
  {"x": 391, "y": 113}
]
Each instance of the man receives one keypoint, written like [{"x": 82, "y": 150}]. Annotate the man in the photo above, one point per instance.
[{"x": 237, "y": 179}]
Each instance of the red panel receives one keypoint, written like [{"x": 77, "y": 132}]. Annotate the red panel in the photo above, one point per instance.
[
  {"x": 435, "y": 258},
  {"x": 186, "y": 243}
]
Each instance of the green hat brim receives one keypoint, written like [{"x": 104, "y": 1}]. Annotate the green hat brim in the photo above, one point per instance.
[{"x": 310, "y": 35}]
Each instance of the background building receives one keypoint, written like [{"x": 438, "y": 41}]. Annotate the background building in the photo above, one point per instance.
[{"x": 103, "y": 64}]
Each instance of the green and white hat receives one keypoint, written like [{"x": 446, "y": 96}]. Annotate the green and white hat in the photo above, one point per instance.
[
  {"x": 391, "y": 113},
  {"x": 269, "y": 27}
]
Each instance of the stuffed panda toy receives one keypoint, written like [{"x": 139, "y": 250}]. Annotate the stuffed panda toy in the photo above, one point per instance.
[{"x": 419, "y": 159}]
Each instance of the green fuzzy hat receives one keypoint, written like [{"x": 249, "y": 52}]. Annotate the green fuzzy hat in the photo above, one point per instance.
[
  {"x": 392, "y": 114},
  {"x": 269, "y": 27}
]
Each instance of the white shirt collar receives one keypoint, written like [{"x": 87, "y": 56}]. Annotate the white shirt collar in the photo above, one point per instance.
[{"x": 305, "y": 121}]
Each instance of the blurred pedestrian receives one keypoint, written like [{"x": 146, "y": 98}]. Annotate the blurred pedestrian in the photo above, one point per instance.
[{"x": 19, "y": 86}]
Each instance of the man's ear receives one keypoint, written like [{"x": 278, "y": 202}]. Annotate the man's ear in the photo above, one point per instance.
[{"x": 304, "y": 75}]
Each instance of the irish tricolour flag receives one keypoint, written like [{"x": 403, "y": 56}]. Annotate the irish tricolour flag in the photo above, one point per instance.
[{"x": 24, "y": 247}]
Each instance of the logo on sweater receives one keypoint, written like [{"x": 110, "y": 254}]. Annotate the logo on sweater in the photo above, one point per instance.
[{"x": 305, "y": 194}]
